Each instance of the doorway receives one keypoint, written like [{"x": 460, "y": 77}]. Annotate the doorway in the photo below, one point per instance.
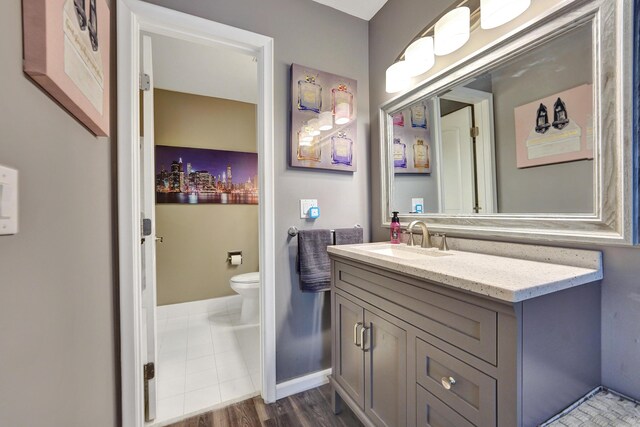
[{"x": 140, "y": 321}]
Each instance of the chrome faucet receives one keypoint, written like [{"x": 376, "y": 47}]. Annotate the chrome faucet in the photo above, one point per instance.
[{"x": 426, "y": 238}]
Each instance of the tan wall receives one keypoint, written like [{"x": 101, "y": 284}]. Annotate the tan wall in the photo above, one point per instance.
[{"x": 191, "y": 262}]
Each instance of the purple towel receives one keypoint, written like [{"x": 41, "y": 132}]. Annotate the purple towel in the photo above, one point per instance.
[{"x": 315, "y": 267}]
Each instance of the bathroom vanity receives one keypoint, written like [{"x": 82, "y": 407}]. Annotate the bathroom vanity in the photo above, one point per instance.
[{"x": 423, "y": 337}]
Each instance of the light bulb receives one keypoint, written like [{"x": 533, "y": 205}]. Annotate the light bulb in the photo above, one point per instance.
[
  {"x": 419, "y": 56},
  {"x": 494, "y": 13},
  {"x": 325, "y": 121},
  {"x": 314, "y": 127},
  {"x": 452, "y": 31},
  {"x": 342, "y": 113},
  {"x": 398, "y": 77}
]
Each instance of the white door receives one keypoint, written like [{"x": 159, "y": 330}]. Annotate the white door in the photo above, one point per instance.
[
  {"x": 147, "y": 205},
  {"x": 457, "y": 162}
]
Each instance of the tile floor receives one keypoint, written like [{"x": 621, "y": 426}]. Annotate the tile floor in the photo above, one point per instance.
[{"x": 205, "y": 357}]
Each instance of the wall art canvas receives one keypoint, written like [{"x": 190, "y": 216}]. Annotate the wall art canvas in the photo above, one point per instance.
[
  {"x": 412, "y": 149},
  {"x": 323, "y": 120},
  {"x": 555, "y": 129},
  {"x": 67, "y": 53},
  {"x": 201, "y": 176}
]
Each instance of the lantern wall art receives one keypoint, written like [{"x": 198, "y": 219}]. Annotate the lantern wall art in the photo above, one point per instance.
[{"x": 323, "y": 120}]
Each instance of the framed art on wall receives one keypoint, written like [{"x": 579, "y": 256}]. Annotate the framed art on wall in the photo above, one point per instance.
[
  {"x": 203, "y": 176},
  {"x": 323, "y": 120},
  {"x": 555, "y": 129},
  {"x": 67, "y": 53},
  {"x": 412, "y": 150}
]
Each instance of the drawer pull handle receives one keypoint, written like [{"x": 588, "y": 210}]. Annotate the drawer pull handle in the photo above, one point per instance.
[
  {"x": 447, "y": 383},
  {"x": 362, "y": 331},
  {"x": 355, "y": 334}
]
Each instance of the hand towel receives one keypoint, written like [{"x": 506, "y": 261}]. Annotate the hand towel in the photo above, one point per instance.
[
  {"x": 315, "y": 267},
  {"x": 348, "y": 236}
]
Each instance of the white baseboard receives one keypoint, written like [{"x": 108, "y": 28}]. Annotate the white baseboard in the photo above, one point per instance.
[
  {"x": 300, "y": 384},
  {"x": 213, "y": 305}
]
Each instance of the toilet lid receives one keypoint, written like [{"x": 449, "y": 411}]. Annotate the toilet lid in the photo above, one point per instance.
[{"x": 247, "y": 278}]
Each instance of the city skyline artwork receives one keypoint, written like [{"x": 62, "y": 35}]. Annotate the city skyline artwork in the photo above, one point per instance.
[{"x": 202, "y": 176}]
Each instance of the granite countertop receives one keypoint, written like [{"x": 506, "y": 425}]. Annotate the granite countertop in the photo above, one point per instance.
[{"x": 512, "y": 278}]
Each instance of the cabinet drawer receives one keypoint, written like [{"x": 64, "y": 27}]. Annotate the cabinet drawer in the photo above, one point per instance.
[
  {"x": 431, "y": 412},
  {"x": 470, "y": 392},
  {"x": 467, "y": 326}
]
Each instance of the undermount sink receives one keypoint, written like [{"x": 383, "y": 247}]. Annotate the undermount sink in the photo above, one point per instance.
[{"x": 406, "y": 252}]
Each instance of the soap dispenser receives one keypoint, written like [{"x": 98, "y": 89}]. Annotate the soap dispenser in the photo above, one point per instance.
[{"x": 395, "y": 229}]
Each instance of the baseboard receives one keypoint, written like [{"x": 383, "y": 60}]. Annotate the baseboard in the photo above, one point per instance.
[{"x": 300, "y": 384}]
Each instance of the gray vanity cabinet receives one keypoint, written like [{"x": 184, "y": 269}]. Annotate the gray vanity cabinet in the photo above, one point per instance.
[
  {"x": 371, "y": 362},
  {"x": 409, "y": 352}
]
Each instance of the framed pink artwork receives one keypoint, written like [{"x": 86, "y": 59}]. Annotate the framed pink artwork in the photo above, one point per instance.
[
  {"x": 555, "y": 129},
  {"x": 67, "y": 53}
]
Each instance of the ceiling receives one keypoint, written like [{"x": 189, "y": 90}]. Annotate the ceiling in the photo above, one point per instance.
[
  {"x": 215, "y": 71},
  {"x": 363, "y": 9}
]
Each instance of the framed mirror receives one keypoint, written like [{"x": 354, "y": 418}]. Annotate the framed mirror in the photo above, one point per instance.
[{"x": 532, "y": 138}]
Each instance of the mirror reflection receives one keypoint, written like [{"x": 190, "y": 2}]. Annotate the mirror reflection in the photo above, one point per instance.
[{"x": 515, "y": 139}]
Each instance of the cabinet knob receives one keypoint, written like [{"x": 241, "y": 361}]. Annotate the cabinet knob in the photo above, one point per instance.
[{"x": 448, "y": 382}]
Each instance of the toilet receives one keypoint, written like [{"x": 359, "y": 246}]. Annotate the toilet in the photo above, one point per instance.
[{"x": 248, "y": 286}]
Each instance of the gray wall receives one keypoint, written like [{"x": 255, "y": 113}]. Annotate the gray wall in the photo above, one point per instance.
[
  {"x": 389, "y": 32},
  {"x": 554, "y": 188},
  {"x": 57, "y": 338},
  {"x": 316, "y": 36}
]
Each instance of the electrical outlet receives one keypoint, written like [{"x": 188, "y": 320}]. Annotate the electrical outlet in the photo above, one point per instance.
[{"x": 305, "y": 205}]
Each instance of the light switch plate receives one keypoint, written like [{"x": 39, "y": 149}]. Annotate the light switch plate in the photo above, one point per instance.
[
  {"x": 305, "y": 205},
  {"x": 8, "y": 200}
]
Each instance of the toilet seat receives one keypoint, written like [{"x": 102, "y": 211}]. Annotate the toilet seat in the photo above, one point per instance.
[{"x": 247, "y": 278}]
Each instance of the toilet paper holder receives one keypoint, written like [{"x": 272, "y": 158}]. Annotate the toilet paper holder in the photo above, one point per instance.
[{"x": 232, "y": 253}]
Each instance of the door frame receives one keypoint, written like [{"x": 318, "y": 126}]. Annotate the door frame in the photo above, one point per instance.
[
  {"x": 485, "y": 150},
  {"x": 133, "y": 17}
]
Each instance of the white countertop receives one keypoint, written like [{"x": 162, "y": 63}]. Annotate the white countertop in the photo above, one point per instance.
[{"x": 510, "y": 279}]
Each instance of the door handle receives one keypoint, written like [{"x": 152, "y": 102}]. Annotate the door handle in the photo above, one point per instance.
[
  {"x": 160, "y": 239},
  {"x": 355, "y": 334},
  {"x": 362, "y": 331}
]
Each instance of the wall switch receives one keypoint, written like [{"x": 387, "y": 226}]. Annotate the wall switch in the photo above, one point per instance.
[
  {"x": 8, "y": 200},
  {"x": 305, "y": 205},
  {"x": 417, "y": 205}
]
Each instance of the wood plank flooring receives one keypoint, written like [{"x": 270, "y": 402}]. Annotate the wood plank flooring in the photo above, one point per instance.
[{"x": 311, "y": 408}]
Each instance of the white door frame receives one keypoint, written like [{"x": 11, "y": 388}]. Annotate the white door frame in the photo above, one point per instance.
[
  {"x": 134, "y": 16},
  {"x": 485, "y": 150}
]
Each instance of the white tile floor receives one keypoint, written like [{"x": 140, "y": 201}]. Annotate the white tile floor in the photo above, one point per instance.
[{"x": 205, "y": 357}]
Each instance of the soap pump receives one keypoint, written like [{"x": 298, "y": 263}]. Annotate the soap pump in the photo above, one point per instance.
[{"x": 395, "y": 229}]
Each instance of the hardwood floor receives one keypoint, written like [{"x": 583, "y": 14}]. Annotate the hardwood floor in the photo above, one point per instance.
[{"x": 308, "y": 409}]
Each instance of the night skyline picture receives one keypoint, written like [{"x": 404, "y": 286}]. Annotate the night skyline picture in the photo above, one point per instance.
[{"x": 202, "y": 176}]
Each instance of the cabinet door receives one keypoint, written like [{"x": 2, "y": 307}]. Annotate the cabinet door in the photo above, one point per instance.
[
  {"x": 349, "y": 369},
  {"x": 385, "y": 349}
]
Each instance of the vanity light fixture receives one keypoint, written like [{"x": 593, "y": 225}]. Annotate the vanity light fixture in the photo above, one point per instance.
[
  {"x": 343, "y": 115},
  {"x": 398, "y": 77},
  {"x": 325, "y": 121},
  {"x": 494, "y": 13},
  {"x": 304, "y": 137},
  {"x": 452, "y": 31},
  {"x": 314, "y": 127},
  {"x": 419, "y": 56}
]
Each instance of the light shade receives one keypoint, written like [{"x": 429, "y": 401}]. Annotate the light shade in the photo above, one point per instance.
[
  {"x": 325, "y": 121},
  {"x": 342, "y": 113},
  {"x": 398, "y": 77},
  {"x": 452, "y": 31},
  {"x": 314, "y": 127},
  {"x": 419, "y": 56},
  {"x": 494, "y": 13},
  {"x": 304, "y": 139}
]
